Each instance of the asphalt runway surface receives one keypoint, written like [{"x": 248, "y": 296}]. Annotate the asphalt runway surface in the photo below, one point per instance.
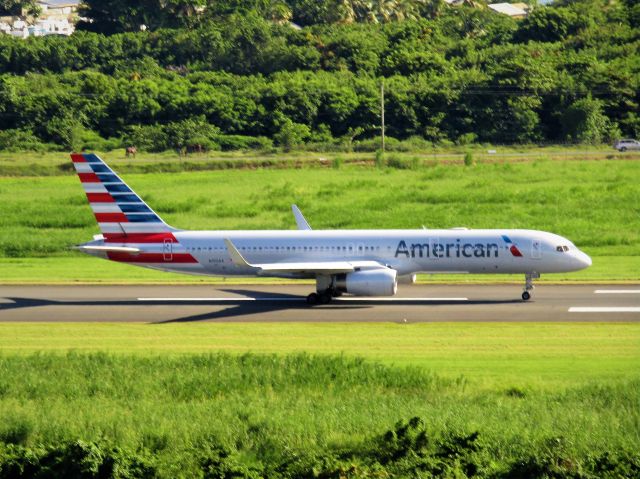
[{"x": 286, "y": 303}]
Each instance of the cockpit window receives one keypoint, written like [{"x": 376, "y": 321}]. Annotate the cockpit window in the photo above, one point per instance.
[
  {"x": 562, "y": 249},
  {"x": 566, "y": 248}
]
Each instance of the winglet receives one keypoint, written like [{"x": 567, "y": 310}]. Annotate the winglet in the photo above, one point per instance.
[
  {"x": 300, "y": 220},
  {"x": 236, "y": 257}
]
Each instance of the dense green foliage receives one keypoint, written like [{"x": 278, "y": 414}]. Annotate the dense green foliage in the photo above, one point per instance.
[
  {"x": 249, "y": 416},
  {"x": 565, "y": 73}
]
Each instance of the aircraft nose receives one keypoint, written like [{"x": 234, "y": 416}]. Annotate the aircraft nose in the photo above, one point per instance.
[{"x": 584, "y": 259}]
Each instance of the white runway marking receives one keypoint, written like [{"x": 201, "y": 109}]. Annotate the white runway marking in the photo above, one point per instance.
[
  {"x": 399, "y": 300},
  {"x": 605, "y": 309},
  {"x": 617, "y": 291},
  {"x": 244, "y": 298}
]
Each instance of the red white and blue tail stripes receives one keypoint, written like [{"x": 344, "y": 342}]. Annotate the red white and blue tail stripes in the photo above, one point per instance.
[
  {"x": 118, "y": 210},
  {"x": 125, "y": 220}
]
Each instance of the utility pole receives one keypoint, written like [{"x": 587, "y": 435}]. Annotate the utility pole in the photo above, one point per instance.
[{"x": 382, "y": 112}]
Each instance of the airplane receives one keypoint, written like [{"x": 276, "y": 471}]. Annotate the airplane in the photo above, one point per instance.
[{"x": 356, "y": 262}]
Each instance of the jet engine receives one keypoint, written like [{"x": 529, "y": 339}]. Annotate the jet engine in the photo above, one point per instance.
[{"x": 368, "y": 282}]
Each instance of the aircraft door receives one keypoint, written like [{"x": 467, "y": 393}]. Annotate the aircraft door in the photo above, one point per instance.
[
  {"x": 536, "y": 249},
  {"x": 167, "y": 250}
]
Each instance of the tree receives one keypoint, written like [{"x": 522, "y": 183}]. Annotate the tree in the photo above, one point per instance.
[
  {"x": 547, "y": 24},
  {"x": 17, "y": 7},
  {"x": 291, "y": 134},
  {"x": 584, "y": 122}
]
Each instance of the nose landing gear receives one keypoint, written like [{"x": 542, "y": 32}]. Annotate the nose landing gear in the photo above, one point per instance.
[{"x": 528, "y": 285}]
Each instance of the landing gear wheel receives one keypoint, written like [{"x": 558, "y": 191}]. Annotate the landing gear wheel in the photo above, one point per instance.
[
  {"x": 313, "y": 299},
  {"x": 325, "y": 298},
  {"x": 528, "y": 285}
]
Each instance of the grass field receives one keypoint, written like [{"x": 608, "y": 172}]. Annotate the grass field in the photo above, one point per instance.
[
  {"x": 595, "y": 203},
  {"x": 295, "y": 398},
  {"x": 52, "y": 163},
  {"x": 492, "y": 354}
]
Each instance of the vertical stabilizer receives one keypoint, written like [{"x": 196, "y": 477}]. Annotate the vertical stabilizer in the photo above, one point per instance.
[{"x": 119, "y": 211}]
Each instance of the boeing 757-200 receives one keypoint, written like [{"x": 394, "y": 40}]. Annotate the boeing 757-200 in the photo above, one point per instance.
[{"x": 357, "y": 262}]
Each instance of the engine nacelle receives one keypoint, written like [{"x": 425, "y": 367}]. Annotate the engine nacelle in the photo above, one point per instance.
[
  {"x": 407, "y": 279},
  {"x": 368, "y": 282}
]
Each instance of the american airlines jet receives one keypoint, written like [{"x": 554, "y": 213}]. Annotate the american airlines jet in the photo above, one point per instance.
[{"x": 357, "y": 262}]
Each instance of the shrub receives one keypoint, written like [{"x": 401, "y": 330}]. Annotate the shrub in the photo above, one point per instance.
[
  {"x": 241, "y": 142},
  {"x": 291, "y": 134},
  {"x": 467, "y": 139},
  {"x": 468, "y": 159},
  {"x": 24, "y": 140},
  {"x": 394, "y": 161},
  {"x": 90, "y": 140},
  {"x": 373, "y": 144}
]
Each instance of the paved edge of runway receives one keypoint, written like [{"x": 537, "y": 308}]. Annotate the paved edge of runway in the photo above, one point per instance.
[{"x": 286, "y": 303}]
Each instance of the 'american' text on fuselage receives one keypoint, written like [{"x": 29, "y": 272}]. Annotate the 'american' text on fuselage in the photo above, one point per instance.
[{"x": 447, "y": 250}]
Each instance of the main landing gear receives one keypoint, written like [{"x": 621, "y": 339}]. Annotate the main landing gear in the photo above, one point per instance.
[
  {"x": 322, "y": 297},
  {"x": 528, "y": 285}
]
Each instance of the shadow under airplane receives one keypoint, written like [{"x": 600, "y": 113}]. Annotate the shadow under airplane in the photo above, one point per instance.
[{"x": 247, "y": 303}]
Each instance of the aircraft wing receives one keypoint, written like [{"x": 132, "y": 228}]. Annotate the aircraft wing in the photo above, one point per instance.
[
  {"x": 314, "y": 267},
  {"x": 302, "y": 223},
  {"x": 330, "y": 267}
]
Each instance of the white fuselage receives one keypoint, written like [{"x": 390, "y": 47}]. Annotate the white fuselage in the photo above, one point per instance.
[{"x": 406, "y": 251}]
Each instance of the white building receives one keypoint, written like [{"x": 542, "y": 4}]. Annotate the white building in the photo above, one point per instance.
[
  {"x": 514, "y": 10},
  {"x": 60, "y": 8},
  {"x": 57, "y": 18}
]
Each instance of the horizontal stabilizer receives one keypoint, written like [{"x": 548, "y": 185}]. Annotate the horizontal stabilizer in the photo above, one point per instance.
[{"x": 113, "y": 249}]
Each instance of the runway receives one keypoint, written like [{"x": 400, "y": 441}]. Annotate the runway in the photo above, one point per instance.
[{"x": 286, "y": 303}]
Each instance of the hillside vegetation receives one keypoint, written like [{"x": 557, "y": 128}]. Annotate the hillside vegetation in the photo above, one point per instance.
[{"x": 237, "y": 76}]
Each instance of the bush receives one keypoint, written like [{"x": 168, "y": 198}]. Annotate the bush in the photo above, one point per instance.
[
  {"x": 394, "y": 161},
  {"x": 241, "y": 142},
  {"x": 467, "y": 139},
  {"x": 468, "y": 159},
  {"x": 291, "y": 134},
  {"x": 373, "y": 144},
  {"x": 90, "y": 140},
  {"x": 184, "y": 136},
  {"x": 78, "y": 459},
  {"x": 585, "y": 122},
  {"x": 24, "y": 140}
]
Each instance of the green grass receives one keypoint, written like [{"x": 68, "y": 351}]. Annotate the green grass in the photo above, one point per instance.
[
  {"x": 271, "y": 408},
  {"x": 594, "y": 203},
  {"x": 540, "y": 355},
  {"x": 52, "y": 163},
  {"x": 288, "y": 392}
]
